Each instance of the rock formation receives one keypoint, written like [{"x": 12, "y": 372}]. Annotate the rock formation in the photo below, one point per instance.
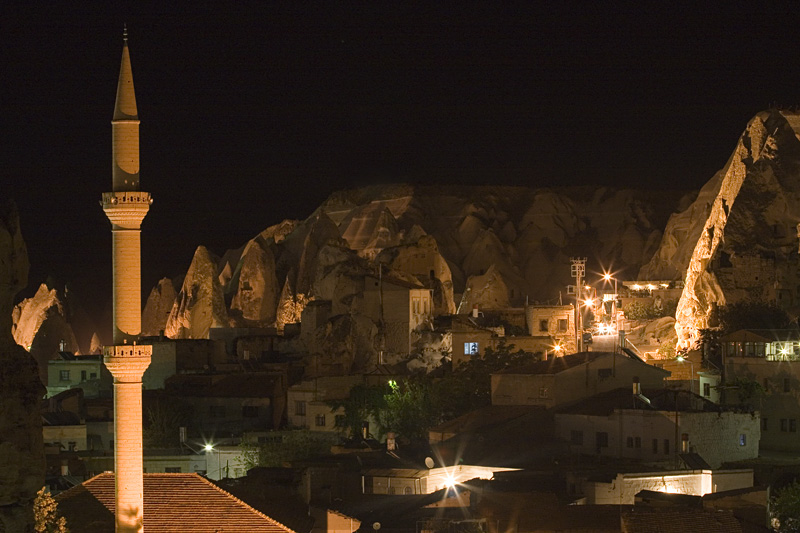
[
  {"x": 200, "y": 305},
  {"x": 256, "y": 296},
  {"x": 158, "y": 307},
  {"x": 22, "y": 469},
  {"x": 487, "y": 290},
  {"x": 741, "y": 230},
  {"x": 421, "y": 259},
  {"x": 41, "y": 326}
]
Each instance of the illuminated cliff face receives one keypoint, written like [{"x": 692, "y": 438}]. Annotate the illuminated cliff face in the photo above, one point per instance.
[{"x": 744, "y": 247}]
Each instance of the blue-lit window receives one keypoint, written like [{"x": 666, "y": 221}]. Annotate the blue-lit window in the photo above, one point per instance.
[
  {"x": 743, "y": 440},
  {"x": 470, "y": 348}
]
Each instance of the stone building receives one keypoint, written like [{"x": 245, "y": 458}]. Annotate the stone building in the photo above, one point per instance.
[
  {"x": 657, "y": 426},
  {"x": 563, "y": 380}
]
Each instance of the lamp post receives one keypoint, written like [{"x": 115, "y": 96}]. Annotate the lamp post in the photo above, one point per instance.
[
  {"x": 209, "y": 449},
  {"x": 682, "y": 359},
  {"x": 607, "y": 277}
]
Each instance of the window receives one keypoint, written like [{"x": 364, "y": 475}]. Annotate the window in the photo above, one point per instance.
[
  {"x": 72, "y": 446},
  {"x": 83, "y": 375},
  {"x": 250, "y": 411},
  {"x": 543, "y": 325},
  {"x": 576, "y": 437},
  {"x": 792, "y": 425},
  {"x": 706, "y": 389},
  {"x": 416, "y": 306},
  {"x": 300, "y": 408},
  {"x": 562, "y": 324},
  {"x": 637, "y": 442},
  {"x": 470, "y": 348},
  {"x": 63, "y": 375},
  {"x": 319, "y": 420},
  {"x": 764, "y": 424},
  {"x": 407, "y": 490},
  {"x": 340, "y": 421},
  {"x": 630, "y": 442},
  {"x": 173, "y": 470},
  {"x": 784, "y": 424},
  {"x": 93, "y": 375},
  {"x": 666, "y": 446},
  {"x": 601, "y": 440},
  {"x": 655, "y": 445},
  {"x": 603, "y": 373},
  {"x": 743, "y": 439}
]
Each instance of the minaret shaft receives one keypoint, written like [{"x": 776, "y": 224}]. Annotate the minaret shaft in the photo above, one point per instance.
[{"x": 126, "y": 206}]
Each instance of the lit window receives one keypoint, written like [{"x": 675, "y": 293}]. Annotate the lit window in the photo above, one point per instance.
[{"x": 470, "y": 348}]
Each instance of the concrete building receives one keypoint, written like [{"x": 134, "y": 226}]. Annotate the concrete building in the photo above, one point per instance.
[
  {"x": 232, "y": 404},
  {"x": 85, "y": 372},
  {"x": 658, "y": 427},
  {"x": 307, "y": 402},
  {"x": 564, "y": 380},
  {"x": 769, "y": 359},
  {"x": 552, "y": 325},
  {"x": 126, "y": 207},
  {"x": 622, "y": 489},
  {"x": 401, "y": 306}
]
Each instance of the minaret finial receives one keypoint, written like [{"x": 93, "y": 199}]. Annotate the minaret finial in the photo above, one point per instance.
[{"x": 125, "y": 32}]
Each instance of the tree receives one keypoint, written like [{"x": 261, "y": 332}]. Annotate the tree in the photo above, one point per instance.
[
  {"x": 469, "y": 386},
  {"x": 411, "y": 409},
  {"x": 45, "y": 514},
  {"x": 286, "y": 447},
  {"x": 785, "y": 509},
  {"x": 364, "y": 402},
  {"x": 162, "y": 421},
  {"x": 752, "y": 314}
]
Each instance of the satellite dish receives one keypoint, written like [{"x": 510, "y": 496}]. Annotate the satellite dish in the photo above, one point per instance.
[
  {"x": 376, "y": 526},
  {"x": 429, "y": 462}
]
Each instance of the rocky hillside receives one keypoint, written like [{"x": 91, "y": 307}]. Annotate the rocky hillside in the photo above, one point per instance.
[
  {"x": 490, "y": 246},
  {"x": 739, "y": 239}
]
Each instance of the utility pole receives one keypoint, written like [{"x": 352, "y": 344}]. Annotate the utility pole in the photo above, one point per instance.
[{"x": 578, "y": 270}]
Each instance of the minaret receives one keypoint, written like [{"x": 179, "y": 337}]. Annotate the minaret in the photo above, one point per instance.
[{"x": 126, "y": 207}]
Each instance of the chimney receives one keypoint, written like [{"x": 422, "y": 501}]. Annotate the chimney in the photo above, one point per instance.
[
  {"x": 475, "y": 311},
  {"x": 391, "y": 443},
  {"x": 64, "y": 467},
  {"x": 182, "y": 434},
  {"x": 637, "y": 387},
  {"x": 684, "y": 443},
  {"x": 365, "y": 430}
]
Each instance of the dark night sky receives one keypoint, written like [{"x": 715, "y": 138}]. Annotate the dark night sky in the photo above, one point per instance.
[{"x": 252, "y": 113}]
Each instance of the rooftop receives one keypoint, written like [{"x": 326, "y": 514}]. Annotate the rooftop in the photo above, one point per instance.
[{"x": 172, "y": 502}]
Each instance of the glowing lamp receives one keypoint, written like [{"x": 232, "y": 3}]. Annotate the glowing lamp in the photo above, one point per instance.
[{"x": 208, "y": 447}]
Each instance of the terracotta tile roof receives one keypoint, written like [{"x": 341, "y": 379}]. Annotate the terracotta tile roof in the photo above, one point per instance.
[
  {"x": 679, "y": 521},
  {"x": 172, "y": 503}
]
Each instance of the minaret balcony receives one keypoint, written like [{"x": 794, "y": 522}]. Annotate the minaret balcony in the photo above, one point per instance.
[{"x": 126, "y": 209}]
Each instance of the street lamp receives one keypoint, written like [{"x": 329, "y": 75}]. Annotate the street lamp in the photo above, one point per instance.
[
  {"x": 607, "y": 277},
  {"x": 209, "y": 449},
  {"x": 682, "y": 359}
]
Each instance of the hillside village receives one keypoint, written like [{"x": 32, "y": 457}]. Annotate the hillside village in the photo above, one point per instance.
[{"x": 407, "y": 360}]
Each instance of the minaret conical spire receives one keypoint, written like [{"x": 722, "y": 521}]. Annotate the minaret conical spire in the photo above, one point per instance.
[{"x": 125, "y": 108}]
